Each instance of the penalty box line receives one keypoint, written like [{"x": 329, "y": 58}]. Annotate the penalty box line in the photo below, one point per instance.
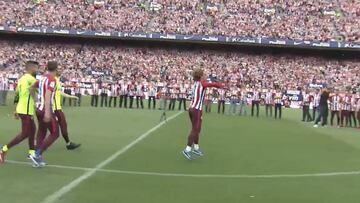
[
  {"x": 231, "y": 176},
  {"x": 73, "y": 184}
]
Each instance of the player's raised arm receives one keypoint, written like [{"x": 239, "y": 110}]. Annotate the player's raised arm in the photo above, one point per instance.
[{"x": 206, "y": 84}]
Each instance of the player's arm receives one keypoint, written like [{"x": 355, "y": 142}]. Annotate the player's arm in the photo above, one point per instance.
[
  {"x": 68, "y": 96},
  {"x": 212, "y": 84},
  {"x": 47, "y": 103},
  {"x": 16, "y": 101},
  {"x": 17, "y": 96}
]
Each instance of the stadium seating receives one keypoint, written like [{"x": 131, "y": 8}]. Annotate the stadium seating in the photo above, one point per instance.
[
  {"x": 303, "y": 19},
  {"x": 287, "y": 71}
]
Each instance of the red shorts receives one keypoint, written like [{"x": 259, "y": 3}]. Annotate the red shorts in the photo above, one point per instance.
[
  {"x": 27, "y": 125},
  {"x": 52, "y": 126},
  {"x": 195, "y": 116}
]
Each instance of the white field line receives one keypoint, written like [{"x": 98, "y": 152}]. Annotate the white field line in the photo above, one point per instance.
[
  {"x": 88, "y": 173},
  {"x": 306, "y": 175}
]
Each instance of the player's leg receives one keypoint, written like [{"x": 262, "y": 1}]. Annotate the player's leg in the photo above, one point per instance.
[
  {"x": 41, "y": 133},
  {"x": 318, "y": 117},
  {"x": 180, "y": 102},
  {"x": 191, "y": 138},
  {"x": 309, "y": 115},
  {"x": 125, "y": 101},
  {"x": 131, "y": 102},
  {"x": 332, "y": 118},
  {"x": 110, "y": 101},
  {"x": 354, "y": 118},
  {"x": 347, "y": 118},
  {"x": 338, "y": 118},
  {"x": 223, "y": 106},
  {"x": 79, "y": 99},
  {"x": 198, "y": 124},
  {"x": 325, "y": 118},
  {"x": 64, "y": 130},
  {"x": 31, "y": 137},
  {"x": 53, "y": 128},
  {"x": 280, "y": 111},
  {"x": 26, "y": 129},
  {"x": 252, "y": 108},
  {"x": 121, "y": 101}
]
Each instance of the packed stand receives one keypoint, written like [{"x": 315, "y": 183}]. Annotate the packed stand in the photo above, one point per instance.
[
  {"x": 153, "y": 64},
  {"x": 300, "y": 20}
]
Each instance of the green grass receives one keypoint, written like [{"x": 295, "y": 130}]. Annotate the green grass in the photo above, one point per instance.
[{"x": 232, "y": 145}]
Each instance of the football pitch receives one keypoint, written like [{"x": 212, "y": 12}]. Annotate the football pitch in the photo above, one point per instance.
[{"x": 129, "y": 156}]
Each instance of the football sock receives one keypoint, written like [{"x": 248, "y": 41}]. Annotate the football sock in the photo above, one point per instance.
[
  {"x": 188, "y": 149},
  {"x": 32, "y": 152},
  {"x": 196, "y": 147},
  {"x": 4, "y": 148}
]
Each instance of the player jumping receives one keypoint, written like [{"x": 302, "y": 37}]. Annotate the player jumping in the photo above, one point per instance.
[
  {"x": 195, "y": 112},
  {"x": 61, "y": 116},
  {"x": 25, "y": 110}
]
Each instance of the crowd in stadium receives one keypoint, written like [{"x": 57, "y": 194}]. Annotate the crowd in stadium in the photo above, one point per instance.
[
  {"x": 130, "y": 73},
  {"x": 300, "y": 20},
  {"x": 150, "y": 64}
]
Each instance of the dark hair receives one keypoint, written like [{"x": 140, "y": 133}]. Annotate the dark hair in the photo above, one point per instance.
[
  {"x": 30, "y": 64},
  {"x": 52, "y": 66}
]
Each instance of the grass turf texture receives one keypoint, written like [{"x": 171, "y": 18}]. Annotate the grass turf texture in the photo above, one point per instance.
[{"x": 232, "y": 145}]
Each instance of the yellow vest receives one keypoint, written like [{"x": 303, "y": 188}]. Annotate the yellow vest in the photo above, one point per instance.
[
  {"x": 26, "y": 103},
  {"x": 57, "y": 96}
]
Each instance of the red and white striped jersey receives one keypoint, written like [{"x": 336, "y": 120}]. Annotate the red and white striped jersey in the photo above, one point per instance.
[
  {"x": 198, "y": 93},
  {"x": 278, "y": 98},
  {"x": 114, "y": 90},
  {"x": 183, "y": 91},
  {"x": 307, "y": 99},
  {"x": 222, "y": 95},
  {"x": 139, "y": 90},
  {"x": 95, "y": 89},
  {"x": 124, "y": 89},
  {"x": 152, "y": 91},
  {"x": 346, "y": 103},
  {"x": 353, "y": 103},
  {"x": 208, "y": 95},
  {"x": 335, "y": 103},
  {"x": 269, "y": 97},
  {"x": 316, "y": 100},
  {"x": 256, "y": 96},
  {"x": 45, "y": 84}
]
